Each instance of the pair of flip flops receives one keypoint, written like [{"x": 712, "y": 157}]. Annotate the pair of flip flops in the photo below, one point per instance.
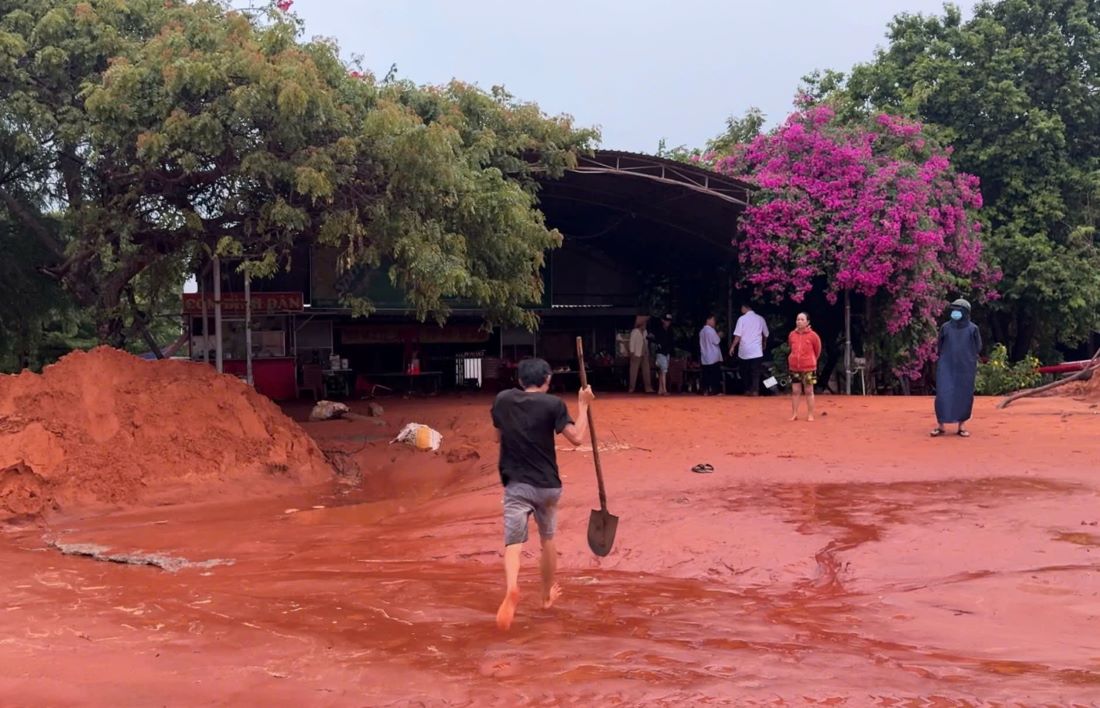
[
  {"x": 940, "y": 431},
  {"x": 703, "y": 468}
]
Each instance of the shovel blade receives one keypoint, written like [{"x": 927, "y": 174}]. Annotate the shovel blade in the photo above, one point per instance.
[{"x": 601, "y": 531}]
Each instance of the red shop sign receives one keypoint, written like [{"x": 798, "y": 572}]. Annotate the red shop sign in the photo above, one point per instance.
[{"x": 233, "y": 303}]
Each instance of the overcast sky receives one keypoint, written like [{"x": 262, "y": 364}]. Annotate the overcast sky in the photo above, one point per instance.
[{"x": 640, "y": 70}]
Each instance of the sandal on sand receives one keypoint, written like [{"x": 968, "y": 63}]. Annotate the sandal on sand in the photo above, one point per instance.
[
  {"x": 937, "y": 432},
  {"x": 963, "y": 433},
  {"x": 703, "y": 468}
]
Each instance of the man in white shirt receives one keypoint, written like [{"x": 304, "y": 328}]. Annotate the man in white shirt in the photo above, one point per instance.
[
  {"x": 749, "y": 339},
  {"x": 639, "y": 355},
  {"x": 710, "y": 356}
]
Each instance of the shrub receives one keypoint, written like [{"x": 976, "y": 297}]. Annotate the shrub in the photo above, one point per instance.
[
  {"x": 779, "y": 358},
  {"x": 997, "y": 376}
]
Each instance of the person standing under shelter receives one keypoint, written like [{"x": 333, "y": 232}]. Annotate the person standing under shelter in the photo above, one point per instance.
[
  {"x": 960, "y": 342},
  {"x": 526, "y": 421},
  {"x": 639, "y": 356},
  {"x": 749, "y": 338},
  {"x": 802, "y": 363},
  {"x": 666, "y": 343},
  {"x": 710, "y": 356}
]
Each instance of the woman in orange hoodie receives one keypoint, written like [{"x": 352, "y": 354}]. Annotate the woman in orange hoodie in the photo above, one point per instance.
[{"x": 802, "y": 363}]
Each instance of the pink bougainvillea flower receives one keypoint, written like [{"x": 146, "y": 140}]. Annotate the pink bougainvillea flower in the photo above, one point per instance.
[
  {"x": 876, "y": 209},
  {"x": 284, "y": 5}
]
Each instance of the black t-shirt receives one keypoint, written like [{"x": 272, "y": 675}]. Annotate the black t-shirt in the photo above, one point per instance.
[
  {"x": 527, "y": 424},
  {"x": 664, "y": 340}
]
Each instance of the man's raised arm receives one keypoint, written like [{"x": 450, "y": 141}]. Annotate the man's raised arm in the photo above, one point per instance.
[{"x": 577, "y": 432}]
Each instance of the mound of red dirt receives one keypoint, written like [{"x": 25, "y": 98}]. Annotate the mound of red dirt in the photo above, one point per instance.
[
  {"x": 107, "y": 428},
  {"x": 1087, "y": 390},
  {"x": 1090, "y": 390}
]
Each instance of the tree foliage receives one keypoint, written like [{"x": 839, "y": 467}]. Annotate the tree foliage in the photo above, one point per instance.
[
  {"x": 158, "y": 131},
  {"x": 36, "y": 316},
  {"x": 873, "y": 209},
  {"x": 738, "y": 131},
  {"x": 1016, "y": 89}
]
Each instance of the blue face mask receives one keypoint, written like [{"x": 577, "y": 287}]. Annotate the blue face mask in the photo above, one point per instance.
[{"x": 956, "y": 315}]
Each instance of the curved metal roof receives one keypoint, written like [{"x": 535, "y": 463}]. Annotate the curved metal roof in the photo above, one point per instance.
[
  {"x": 664, "y": 170},
  {"x": 624, "y": 199}
]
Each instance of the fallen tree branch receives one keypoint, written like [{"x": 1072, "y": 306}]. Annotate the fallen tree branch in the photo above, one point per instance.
[{"x": 1082, "y": 375}]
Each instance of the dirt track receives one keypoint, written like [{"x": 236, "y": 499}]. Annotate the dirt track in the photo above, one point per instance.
[{"x": 853, "y": 558}]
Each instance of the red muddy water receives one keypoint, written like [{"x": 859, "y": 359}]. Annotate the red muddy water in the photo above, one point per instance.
[{"x": 850, "y": 561}]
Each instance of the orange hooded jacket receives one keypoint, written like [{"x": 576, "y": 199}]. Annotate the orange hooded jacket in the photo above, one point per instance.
[{"x": 805, "y": 350}]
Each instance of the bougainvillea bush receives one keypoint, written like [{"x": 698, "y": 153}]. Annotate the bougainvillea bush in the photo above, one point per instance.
[{"x": 875, "y": 209}]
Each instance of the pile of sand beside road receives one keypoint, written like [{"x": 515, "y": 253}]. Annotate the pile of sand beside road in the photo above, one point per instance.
[{"x": 107, "y": 428}]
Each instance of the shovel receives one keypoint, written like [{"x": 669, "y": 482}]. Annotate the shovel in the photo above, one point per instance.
[{"x": 601, "y": 523}]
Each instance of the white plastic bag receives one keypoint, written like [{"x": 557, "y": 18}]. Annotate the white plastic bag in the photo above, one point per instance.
[
  {"x": 419, "y": 436},
  {"x": 327, "y": 410}
]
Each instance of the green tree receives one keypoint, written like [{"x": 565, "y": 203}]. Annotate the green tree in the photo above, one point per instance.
[
  {"x": 738, "y": 132},
  {"x": 34, "y": 310},
  {"x": 163, "y": 131},
  {"x": 1015, "y": 90}
]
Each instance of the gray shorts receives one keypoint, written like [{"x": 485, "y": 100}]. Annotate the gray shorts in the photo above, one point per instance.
[
  {"x": 520, "y": 501},
  {"x": 662, "y": 363}
]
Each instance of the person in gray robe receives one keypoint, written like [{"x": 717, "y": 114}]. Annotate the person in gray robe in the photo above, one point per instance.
[{"x": 960, "y": 343}]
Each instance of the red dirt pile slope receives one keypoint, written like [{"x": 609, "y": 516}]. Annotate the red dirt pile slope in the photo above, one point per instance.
[
  {"x": 104, "y": 427},
  {"x": 1090, "y": 390}
]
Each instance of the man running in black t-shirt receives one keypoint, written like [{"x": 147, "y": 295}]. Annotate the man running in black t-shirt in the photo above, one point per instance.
[{"x": 526, "y": 422}]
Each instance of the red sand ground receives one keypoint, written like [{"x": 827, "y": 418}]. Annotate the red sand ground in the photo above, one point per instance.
[
  {"x": 850, "y": 561},
  {"x": 107, "y": 428}
]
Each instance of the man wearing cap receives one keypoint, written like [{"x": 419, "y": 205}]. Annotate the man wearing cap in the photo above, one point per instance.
[
  {"x": 665, "y": 343},
  {"x": 960, "y": 343}
]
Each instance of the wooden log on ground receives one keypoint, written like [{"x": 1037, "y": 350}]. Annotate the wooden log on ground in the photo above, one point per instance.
[{"x": 1082, "y": 375}]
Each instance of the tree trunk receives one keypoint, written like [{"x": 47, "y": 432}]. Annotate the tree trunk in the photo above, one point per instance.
[
  {"x": 109, "y": 302},
  {"x": 110, "y": 330},
  {"x": 70, "y": 174},
  {"x": 869, "y": 366},
  {"x": 828, "y": 321},
  {"x": 1025, "y": 336},
  {"x": 997, "y": 327}
]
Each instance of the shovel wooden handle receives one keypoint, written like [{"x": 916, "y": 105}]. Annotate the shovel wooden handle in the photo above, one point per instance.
[{"x": 591, "y": 425}]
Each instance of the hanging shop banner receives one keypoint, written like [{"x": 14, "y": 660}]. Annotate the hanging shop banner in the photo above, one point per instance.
[{"x": 233, "y": 303}]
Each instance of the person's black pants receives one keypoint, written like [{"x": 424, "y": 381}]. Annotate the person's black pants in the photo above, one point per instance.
[
  {"x": 750, "y": 375},
  {"x": 712, "y": 378}
]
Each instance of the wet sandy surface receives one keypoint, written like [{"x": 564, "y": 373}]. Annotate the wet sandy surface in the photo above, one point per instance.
[{"x": 851, "y": 561}]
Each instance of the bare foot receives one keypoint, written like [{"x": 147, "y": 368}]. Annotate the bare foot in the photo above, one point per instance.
[
  {"x": 507, "y": 611},
  {"x": 810, "y": 418},
  {"x": 795, "y": 417},
  {"x": 549, "y": 599}
]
